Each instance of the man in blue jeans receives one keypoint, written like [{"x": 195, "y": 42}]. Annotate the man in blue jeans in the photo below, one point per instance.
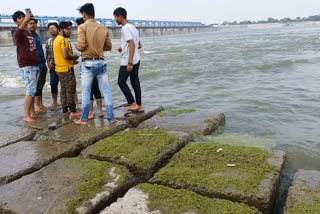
[
  {"x": 28, "y": 61},
  {"x": 93, "y": 39}
]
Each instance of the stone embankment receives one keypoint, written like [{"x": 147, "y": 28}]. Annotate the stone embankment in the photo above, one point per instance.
[{"x": 149, "y": 163}]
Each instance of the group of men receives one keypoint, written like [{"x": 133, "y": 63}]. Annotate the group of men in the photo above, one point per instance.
[{"x": 92, "y": 40}]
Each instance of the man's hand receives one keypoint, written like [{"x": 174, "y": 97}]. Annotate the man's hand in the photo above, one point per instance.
[
  {"x": 129, "y": 68},
  {"x": 50, "y": 65},
  {"x": 75, "y": 56},
  {"x": 28, "y": 16},
  {"x": 119, "y": 50}
]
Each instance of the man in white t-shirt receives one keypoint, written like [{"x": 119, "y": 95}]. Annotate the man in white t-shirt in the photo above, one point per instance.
[{"x": 130, "y": 61}]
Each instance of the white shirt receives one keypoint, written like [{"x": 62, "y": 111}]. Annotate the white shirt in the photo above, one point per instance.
[{"x": 129, "y": 32}]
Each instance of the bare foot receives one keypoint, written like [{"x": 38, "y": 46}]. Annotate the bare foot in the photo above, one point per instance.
[
  {"x": 34, "y": 116},
  {"x": 29, "y": 119},
  {"x": 39, "y": 110},
  {"x": 75, "y": 114},
  {"x": 79, "y": 122},
  {"x": 101, "y": 115},
  {"x": 112, "y": 122},
  {"x": 140, "y": 109},
  {"x": 90, "y": 117},
  {"x": 43, "y": 107}
]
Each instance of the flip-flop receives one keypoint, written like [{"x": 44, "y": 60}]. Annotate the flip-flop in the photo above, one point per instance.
[
  {"x": 140, "y": 111},
  {"x": 132, "y": 110}
]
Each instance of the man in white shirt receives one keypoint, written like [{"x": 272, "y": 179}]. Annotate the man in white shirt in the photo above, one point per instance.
[{"x": 130, "y": 61}]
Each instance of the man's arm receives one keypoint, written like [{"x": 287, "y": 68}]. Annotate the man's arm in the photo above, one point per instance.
[
  {"x": 131, "y": 54},
  {"x": 67, "y": 56},
  {"x": 27, "y": 18},
  {"x": 140, "y": 46},
  {"x": 65, "y": 51},
  {"x": 107, "y": 44},
  {"x": 81, "y": 39}
]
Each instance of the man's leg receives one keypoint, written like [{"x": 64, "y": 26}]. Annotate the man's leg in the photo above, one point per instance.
[
  {"x": 122, "y": 82},
  {"x": 27, "y": 107},
  {"x": 54, "y": 81},
  {"x": 40, "y": 84},
  {"x": 71, "y": 90},
  {"x": 135, "y": 82},
  {"x": 87, "y": 76},
  {"x": 103, "y": 80},
  {"x": 63, "y": 93},
  {"x": 30, "y": 75},
  {"x": 97, "y": 95}
]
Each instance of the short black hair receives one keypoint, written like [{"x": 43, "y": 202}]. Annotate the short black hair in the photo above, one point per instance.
[
  {"x": 64, "y": 25},
  {"x": 16, "y": 15},
  {"x": 53, "y": 23},
  {"x": 120, "y": 11},
  {"x": 79, "y": 21},
  {"x": 88, "y": 9},
  {"x": 33, "y": 19}
]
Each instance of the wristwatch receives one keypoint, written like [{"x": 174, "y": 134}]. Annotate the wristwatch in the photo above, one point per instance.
[{"x": 130, "y": 63}]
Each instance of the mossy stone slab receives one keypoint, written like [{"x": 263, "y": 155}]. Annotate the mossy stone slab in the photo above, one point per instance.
[
  {"x": 141, "y": 151},
  {"x": 157, "y": 199},
  {"x": 69, "y": 185},
  {"x": 304, "y": 194},
  {"x": 236, "y": 173}
]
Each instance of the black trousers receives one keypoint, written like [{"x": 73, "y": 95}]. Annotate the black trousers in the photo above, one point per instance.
[
  {"x": 135, "y": 82},
  {"x": 95, "y": 90}
]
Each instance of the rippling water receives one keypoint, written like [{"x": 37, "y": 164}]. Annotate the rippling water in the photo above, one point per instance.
[{"x": 267, "y": 82}]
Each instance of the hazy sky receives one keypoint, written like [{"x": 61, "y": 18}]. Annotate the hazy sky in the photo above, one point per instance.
[{"x": 206, "y": 11}]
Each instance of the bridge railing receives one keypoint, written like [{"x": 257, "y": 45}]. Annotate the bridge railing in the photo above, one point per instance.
[{"x": 6, "y": 20}]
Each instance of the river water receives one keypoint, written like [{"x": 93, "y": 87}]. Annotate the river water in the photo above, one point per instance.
[{"x": 266, "y": 81}]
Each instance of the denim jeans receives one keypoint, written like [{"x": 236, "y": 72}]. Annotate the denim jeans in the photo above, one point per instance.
[
  {"x": 30, "y": 75},
  {"x": 89, "y": 70},
  {"x": 54, "y": 81}
]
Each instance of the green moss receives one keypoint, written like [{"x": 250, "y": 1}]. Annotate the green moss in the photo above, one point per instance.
[
  {"x": 94, "y": 133},
  {"x": 242, "y": 140},
  {"x": 94, "y": 177},
  {"x": 3, "y": 209},
  {"x": 175, "y": 112},
  {"x": 200, "y": 165},
  {"x": 208, "y": 121},
  {"x": 307, "y": 208},
  {"x": 171, "y": 201},
  {"x": 139, "y": 146}
]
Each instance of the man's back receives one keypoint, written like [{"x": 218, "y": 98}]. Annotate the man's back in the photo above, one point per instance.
[{"x": 93, "y": 39}]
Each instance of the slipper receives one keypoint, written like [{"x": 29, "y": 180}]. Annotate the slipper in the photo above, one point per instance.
[
  {"x": 140, "y": 111},
  {"x": 132, "y": 110}
]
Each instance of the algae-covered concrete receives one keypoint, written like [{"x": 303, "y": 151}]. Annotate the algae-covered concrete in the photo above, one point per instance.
[
  {"x": 186, "y": 120},
  {"x": 142, "y": 151},
  {"x": 69, "y": 185},
  {"x": 157, "y": 199},
  {"x": 236, "y": 173},
  {"x": 304, "y": 194}
]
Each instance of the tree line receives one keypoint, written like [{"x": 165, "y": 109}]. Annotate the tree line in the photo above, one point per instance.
[{"x": 272, "y": 20}]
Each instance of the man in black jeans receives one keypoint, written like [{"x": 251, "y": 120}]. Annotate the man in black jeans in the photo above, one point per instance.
[{"x": 130, "y": 61}]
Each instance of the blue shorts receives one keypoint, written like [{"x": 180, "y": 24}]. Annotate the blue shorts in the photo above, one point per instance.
[{"x": 30, "y": 75}]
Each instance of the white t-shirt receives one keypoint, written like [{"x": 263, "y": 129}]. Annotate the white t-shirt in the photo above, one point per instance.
[{"x": 129, "y": 32}]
